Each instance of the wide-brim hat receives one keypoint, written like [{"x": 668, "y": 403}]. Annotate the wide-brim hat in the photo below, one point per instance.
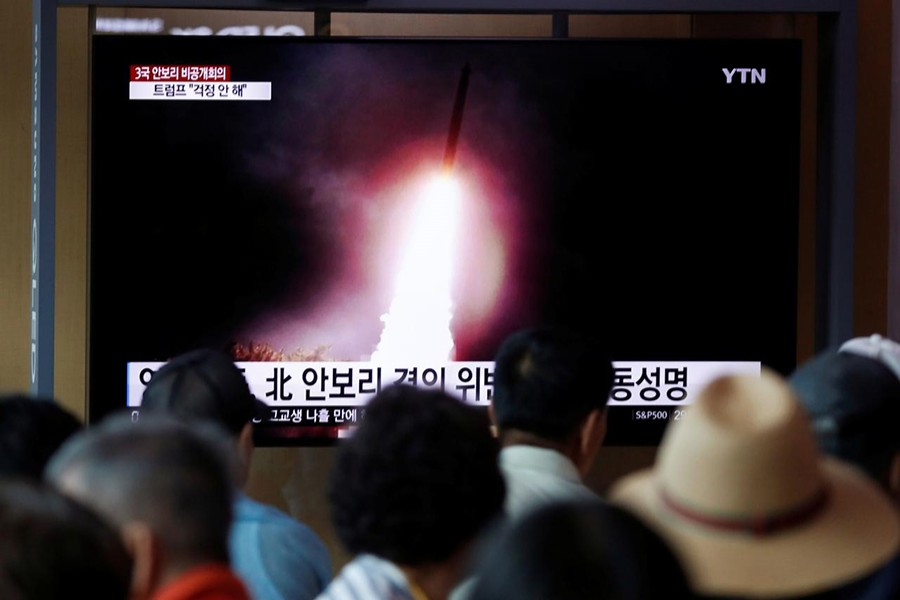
[{"x": 741, "y": 491}]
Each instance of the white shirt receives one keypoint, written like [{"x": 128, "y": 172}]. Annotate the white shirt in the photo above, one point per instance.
[
  {"x": 538, "y": 476},
  {"x": 368, "y": 577}
]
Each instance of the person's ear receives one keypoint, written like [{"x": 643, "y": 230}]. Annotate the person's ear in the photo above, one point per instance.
[
  {"x": 245, "y": 441},
  {"x": 593, "y": 431},
  {"x": 894, "y": 477},
  {"x": 493, "y": 420},
  {"x": 147, "y": 559},
  {"x": 245, "y": 451}
]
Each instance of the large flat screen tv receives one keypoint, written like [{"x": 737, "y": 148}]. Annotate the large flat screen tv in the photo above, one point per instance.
[{"x": 342, "y": 213}]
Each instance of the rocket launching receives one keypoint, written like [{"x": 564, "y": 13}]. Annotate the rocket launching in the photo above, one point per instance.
[{"x": 456, "y": 119}]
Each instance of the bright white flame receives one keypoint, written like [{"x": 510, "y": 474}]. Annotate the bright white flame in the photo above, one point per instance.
[{"x": 417, "y": 325}]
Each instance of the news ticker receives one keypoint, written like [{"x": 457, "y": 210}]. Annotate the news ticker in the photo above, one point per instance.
[{"x": 347, "y": 385}]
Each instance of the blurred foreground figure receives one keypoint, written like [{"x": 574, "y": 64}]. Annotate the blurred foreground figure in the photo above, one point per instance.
[
  {"x": 745, "y": 497},
  {"x": 278, "y": 557},
  {"x": 31, "y": 430},
  {"x": 852, "y": 396},
  {"x": 411, "y": 492},
  {"x": 169, "y": 491},
  {"x": 52, "y": 547},
  {"x": 579, "y": 550}
]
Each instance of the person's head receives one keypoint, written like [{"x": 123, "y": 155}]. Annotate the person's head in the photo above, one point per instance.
[
  {"x": 205, "y": 385},
  {"x": 53, "y": 547},
  {"x": 552, "y": 385},
  {"x": 575, "y": 550},
  {"x": 165, "y": 485},
  {"x": 418, "y": 480},
  {"x": 852, "y": 396},
  {"x": 745, "y": 497},
  {"x": 31, "y": 430}
]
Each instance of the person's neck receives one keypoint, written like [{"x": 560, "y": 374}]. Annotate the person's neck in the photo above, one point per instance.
[
  {"x": 434, "y": 581},
  {"x": 517, "y": 437}
]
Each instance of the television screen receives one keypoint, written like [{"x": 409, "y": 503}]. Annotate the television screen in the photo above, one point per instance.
[{"x": 343, "y": 213}]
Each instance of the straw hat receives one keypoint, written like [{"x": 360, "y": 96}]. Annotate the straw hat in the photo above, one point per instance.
[{"x": 741, "y": 491}]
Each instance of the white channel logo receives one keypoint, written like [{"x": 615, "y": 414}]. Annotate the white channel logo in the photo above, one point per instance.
[{"x": 744, "y": 75}]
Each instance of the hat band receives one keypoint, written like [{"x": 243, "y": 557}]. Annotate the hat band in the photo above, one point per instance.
[{"x": 761, "y": 525}]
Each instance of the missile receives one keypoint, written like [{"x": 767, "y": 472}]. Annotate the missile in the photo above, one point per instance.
[{"x": 456, "y": 119}]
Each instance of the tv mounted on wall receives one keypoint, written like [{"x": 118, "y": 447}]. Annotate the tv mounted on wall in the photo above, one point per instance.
[{"x": 342, "y": 213}]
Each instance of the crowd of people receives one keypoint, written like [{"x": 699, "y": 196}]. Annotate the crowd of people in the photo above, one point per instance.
[{"x": 771, "y": 486}]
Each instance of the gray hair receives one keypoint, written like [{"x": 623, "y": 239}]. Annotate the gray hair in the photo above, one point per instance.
[{"x": 174, "y": 478}]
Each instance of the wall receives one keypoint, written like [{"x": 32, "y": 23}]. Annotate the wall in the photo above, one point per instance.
[
  {"x": 893, "y": 221},
  {"x": 70, "y": 344},
  {"x": 873, "y": 168},
  {"x": 294, "y": 479},
  {"x": 15, "y": 170}
]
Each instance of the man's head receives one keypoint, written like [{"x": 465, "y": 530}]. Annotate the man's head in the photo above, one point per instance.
[
  {"x": 31, "y": 430},
  {"x": 167, "y": 487},
  {"x": 548, "y": 382},
  {"x": 574, "y": 550},
  {"x": 203, "y": 384},
  {"x": 852, "y": 396},
  {"x": 418, "y": 480}
]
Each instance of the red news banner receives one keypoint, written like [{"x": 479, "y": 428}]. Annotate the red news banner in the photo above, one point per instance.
[{"x": 192, "y": 82}]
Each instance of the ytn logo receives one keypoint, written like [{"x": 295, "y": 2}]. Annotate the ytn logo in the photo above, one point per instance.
[{"x": 746, "y": 75}]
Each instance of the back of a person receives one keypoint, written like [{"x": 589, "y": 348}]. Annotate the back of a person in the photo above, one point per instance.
[
  {"x": 275, "y": 554},
  {"x": 32, "y": 428},
  {"x": 576, "y": 551},
  {"x": 852, "y": 397},
  {"x": 168, "y": 489},
  {"x": 53, "y": 547},
  {"x": 551, "y": 387},
  {"x": 756, "y": 510},
  {"x": 279, "y": 557},
  {"x": 536, "y": 477},
  {"x": 411, "y": 492}
]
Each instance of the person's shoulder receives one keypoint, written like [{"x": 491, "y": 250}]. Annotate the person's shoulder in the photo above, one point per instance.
[
  {"x": 279, "y": 556},
  {"x": 272, "y": 522},
  {"x": 248, "y": 509},
  {"x": 368, "y": 576},
  {"x": 275, "y": 528}
]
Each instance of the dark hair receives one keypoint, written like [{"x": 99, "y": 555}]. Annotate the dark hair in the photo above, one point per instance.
[
  {"x": 53, "y": 547},
  {"x": 417, "y": 479},
  {"x": 577, "y": 550},
  {"x": 546, "y": 381},
  {"x": 854, "y": 407},
  {"x": 159, "y": 471},
  {"x": 31, "y": 430},
  {"x": 202, "y": 384}
]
